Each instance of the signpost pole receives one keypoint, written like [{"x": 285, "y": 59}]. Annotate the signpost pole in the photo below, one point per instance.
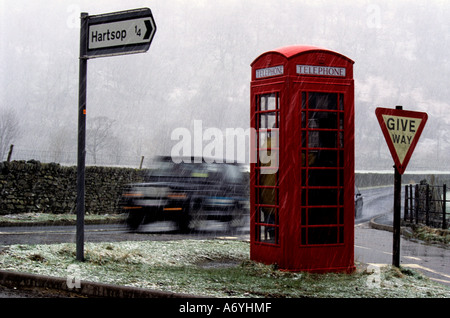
[
  {"x": 116, "y": 33},
  {"x": 397, "y": 208},
  {"x": 81, "y": 138}
]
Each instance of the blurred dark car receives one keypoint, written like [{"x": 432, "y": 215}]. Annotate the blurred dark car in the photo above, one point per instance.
[
  {"x": 358, "y": 203},
  {"x": 187, "y": 193}
]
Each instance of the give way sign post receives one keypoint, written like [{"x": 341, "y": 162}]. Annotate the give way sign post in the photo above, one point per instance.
[
  {"x": 401, "y": 130},
  {"x": 108, "y": 34}
]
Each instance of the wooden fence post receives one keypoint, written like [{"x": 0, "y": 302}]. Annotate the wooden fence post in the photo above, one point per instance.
[
  {"x": 406, "y": 208},
  {"x": 417, "y": 204},
  {"x": 444, "y": 204}
]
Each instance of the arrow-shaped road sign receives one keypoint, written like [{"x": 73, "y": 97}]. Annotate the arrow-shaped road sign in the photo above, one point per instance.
[
  {"x": 401, "y": 129},
  {"x": 119, "y": 33}
]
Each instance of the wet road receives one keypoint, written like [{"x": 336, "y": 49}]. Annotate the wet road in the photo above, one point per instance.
[
  {"x": 112, "y": 233},
  {"x": 375, "y": 246},
  {"x": 377, "y": 201}
]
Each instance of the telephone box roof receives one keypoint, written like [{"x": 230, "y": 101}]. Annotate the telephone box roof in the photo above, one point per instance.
[{"x": 293, "y": 50}]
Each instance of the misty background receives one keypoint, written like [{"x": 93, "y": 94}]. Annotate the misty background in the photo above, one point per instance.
[{"x": 198, "y": 68}]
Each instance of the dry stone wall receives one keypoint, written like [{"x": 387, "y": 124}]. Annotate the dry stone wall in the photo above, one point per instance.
[{"x": 31, "y": 186}]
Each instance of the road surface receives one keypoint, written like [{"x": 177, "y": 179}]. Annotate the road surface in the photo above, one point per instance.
[{"x": 375, "y": 246}]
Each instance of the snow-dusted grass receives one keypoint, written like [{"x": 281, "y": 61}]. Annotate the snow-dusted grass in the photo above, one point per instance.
[
  {"x": 219, "y": 268},
  {"x": 57, "y": 219}
]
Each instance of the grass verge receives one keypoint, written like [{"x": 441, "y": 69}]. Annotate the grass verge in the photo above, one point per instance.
[
  {"x": 217, "y": 268},
  {"x": 24, "y": 219},
  {"x": 431, "y": 235}
]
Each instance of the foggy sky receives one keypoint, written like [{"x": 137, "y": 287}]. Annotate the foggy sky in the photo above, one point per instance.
[{"x": 198, "y": 68}]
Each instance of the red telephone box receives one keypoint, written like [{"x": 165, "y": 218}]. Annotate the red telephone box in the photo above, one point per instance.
[{"x": 302, "y": 163}]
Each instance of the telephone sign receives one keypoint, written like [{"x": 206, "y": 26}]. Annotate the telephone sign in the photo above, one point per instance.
[{"x": 401, "y": 129}]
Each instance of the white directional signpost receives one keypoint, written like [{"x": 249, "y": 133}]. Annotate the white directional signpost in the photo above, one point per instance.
[
  {"x": 401, "y": 129},
  {"x": 109, "y": 34},
  {"x": 120, "y": 33}
]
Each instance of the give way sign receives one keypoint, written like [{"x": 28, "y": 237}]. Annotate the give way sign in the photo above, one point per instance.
[{"x": 401, "y": 129}]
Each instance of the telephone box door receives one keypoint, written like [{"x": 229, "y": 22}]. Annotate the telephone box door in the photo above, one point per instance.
[
  {"x": 265, "y": 195},
  {"x": 322, "y": 223}
]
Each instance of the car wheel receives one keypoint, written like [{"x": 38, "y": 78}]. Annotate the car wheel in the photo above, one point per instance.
[
  {"x": 134, "y": 220},
  {"x": 237, "y": 218}
]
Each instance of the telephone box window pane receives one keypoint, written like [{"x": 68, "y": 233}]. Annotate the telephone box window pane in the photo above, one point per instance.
[
  {"x": 322, "y": 235},
  {"x": 303, "y": 121},
  {"x": 262, "y": 140},
  {"x": 313, "y": 139},
  {"x": 318, "y": 197},
  {"x": 323, "y": 101},
  {"x": 268, "y": 177},
  {"x": 269, "y": 120},
  {"x": 320, "y": 158},
  {"x": 303, "y": 177},
  {"x": 268, "y": 215},
  {"x": 268, "y": 138},
  {"x": 322, "y": 139},
  {"x": 322, "y": 120},
  {"x": 341, "y": 234},
  {"x": 268, "y": 158},
  {"x": 304, "y": 219},
  {"x": 324, "y": 158},
  {"x": 267, "y": 234},
  {"x": 320, "y": 177},
  {"x": 311, "y": 156},
  {"x": 322, "y": 216},
  {"x": 268, "y": 196},
  {"x": 329, "y": 139},
  {"x": 303, "y": 236},
  {"x": 269, "y": 102}
]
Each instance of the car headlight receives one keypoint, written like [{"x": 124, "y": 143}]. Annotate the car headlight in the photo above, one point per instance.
[
  {"x": 177, "y": 196},
  {"x": 133, "y": 194}
]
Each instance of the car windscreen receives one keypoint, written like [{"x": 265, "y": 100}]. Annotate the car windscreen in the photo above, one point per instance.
[{"x": 207, "y": 171}]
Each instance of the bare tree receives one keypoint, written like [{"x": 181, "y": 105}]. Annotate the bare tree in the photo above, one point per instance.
[
  {"x": 9, "y": 130},
  {"x": 60, "y": 144},
  {"x": 98, "y": 135}
]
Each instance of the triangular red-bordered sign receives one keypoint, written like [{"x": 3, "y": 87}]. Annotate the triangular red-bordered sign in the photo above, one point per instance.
[{"x": 401, "y": 129}]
